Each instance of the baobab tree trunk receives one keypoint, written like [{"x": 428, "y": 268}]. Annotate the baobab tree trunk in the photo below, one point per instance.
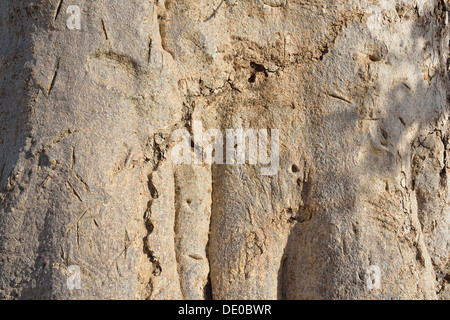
[{"x": 93, "y": 201}]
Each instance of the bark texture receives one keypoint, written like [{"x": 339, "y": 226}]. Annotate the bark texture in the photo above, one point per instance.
[{"x": 358, "y": 90}]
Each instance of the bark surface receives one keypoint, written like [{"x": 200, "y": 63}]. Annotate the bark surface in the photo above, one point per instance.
[{"x": 358, "y": 90}]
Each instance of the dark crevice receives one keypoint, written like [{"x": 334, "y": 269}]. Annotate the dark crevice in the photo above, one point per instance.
[
  {"x": 443, "y": 173},
  {"x": 150, "y": 46},
  {"x": 58, "y": 9},
  {"x": 153, "y": 191},
  {"x": 324, "y": 50},
  {"x": 150, "y": 254},
  {"x": 104, "y": 30},
  {"x": 257, "y": 68}
]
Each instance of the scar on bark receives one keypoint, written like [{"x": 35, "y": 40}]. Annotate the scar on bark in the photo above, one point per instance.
[
  {"x": 47, "y": 179},
  {"x": 74, "y": 224},
  {"x": 149, "y": 55},
  {"x": 57, "y": 140},
  {"x": 339, "y": 97},
  {"x": 52, "y": 82},
  {"x": 80, "y": 179},
  {"x": 126, "y": 243},
  {"x": 72, "y": 161},
  {"x": 74, "y": 191},
  {"x": 104, "y": 29},
  {"x": 58, "y": 9},
  {"x": 157, "y": 268},
  {"x": 78, "y": 236},
  {"x": 214, "y": 12},
  {"x": 127, "y": 62}
]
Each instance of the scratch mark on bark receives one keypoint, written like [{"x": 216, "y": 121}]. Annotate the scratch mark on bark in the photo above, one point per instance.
[
  {"x": 149, "y": 55},
  {"x": 76, "y": 194},
  {"x": 78, "y": 236},
  {"x": 214, "y": 12},
  {"x": 79, "y": 178},
  {"x": 104, "y": 30},
  {"x": 72, "y": 163},
  {"x": 336, "y": 96},
  {"x": 57, "y": 140},
  {"x": 195, "y": 257},
  {"x": 58, "y": 9},
  {"x": 126, "y": 244},
  {"x": 52, "y": 82},
  {"x": 49, "y": 177}
]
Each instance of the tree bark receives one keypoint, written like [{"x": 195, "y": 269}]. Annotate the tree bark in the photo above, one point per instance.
[{"x": 358, "y": 91}]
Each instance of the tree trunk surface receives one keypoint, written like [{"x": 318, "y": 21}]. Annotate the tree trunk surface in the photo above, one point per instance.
[{"x": 358, "y": 207}]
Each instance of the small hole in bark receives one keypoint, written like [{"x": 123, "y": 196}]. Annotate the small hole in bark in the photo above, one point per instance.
[
  {"x": 257, "y": 67},
  {"x": 295, "y": 169},
  {"x": 375, "y": 57}
]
